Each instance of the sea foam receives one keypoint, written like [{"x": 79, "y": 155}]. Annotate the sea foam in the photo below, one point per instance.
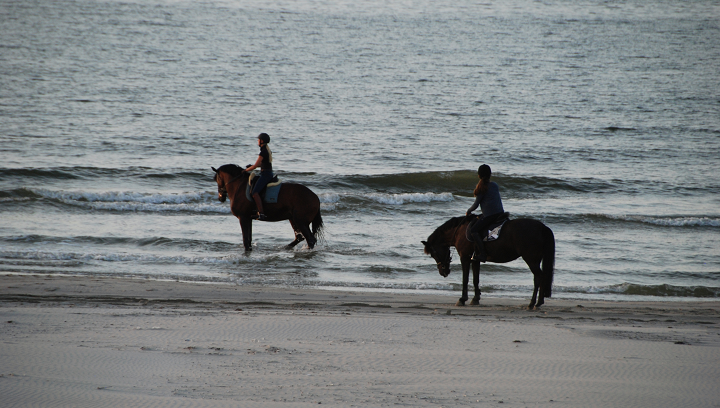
[
  {"x": 399, "y": 199},
  {"x": 203, "y": 202}
]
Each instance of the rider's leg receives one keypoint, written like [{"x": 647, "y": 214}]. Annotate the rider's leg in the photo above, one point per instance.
[
  {"x": 479, "y": 254},
  {"x": 258, "y": 202},
  {"x": 477, "y": 230},
  {"x": 265, "y": 177}
]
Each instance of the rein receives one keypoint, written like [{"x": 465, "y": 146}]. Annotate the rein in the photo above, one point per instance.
[
  {"x": 456, "y": 230},
  {"x": 452, "y": 241},
  {"x": 223, "y": 189},
  {"x": 235, "y": 178}
]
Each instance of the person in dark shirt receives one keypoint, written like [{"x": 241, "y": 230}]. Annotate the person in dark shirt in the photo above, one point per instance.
[
  {"x": 264, "y": 161},
  {"x": 487, "y": 196}
]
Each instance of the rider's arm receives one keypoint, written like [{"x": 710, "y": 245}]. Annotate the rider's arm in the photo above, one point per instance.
[
  {"x": 256, "y": 165},
  {"x": 475, "y": 205}
]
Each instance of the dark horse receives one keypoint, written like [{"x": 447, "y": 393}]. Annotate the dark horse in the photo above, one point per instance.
[
  {"x": 295, "y": 203},
  {"x": 526, "y": 238}
]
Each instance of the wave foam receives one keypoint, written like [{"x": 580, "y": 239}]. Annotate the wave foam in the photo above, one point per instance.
[
  {"x": 400, "y": 199},
  {"x": 133, "y": 201},
  {"x": 110, "y": 257},
  {"x": 115, "y": 196},
  {"x": 671, "y": 221},
  {"x": 329, "y": 198},
  {"x": 205, "y": 208},
  {"x": 662, "y": 290}
]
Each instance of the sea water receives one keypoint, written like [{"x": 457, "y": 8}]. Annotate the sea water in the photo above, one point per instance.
[{"x": 600, "y": 119}]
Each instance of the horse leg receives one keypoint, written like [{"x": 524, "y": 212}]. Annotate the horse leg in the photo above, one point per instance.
[
  {"x": 466, "y": 276},
  {"x": 537, "y": 273},
  {"x": 298, "y": 237},
  {"x": 531, "y": 306},
  {"x": 538, "y": 287},
  {"x": 476, "y": 283},
  {"x": 305, "y": 231},
  {"x": 246, "y": 226}
]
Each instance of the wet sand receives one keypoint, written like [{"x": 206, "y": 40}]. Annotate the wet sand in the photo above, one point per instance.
[{"x": 82, "y": 342}]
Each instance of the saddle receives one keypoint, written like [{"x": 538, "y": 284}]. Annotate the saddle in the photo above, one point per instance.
[
  {"x": 493, "y": 229},
  {"x": 269, "y": 194}
]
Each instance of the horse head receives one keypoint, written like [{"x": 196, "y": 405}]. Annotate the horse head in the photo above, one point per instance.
[
  {"x": 442, "y": 256},
  {"x": 225, "y": 175},
  {"x": 439, "y": 243},
  {"x": 222, "y": 191}
]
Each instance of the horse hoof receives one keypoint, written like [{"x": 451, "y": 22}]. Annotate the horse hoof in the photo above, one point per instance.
[
  {"x": 460, "y": 303},
  {"x": 474, "y": 302}
]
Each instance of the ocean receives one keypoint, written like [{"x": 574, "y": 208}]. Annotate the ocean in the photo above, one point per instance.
[{"x": 600, "y": 119}]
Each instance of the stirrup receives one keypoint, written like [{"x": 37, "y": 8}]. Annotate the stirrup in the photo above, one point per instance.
[
  {"x": 260, "y": 217},
  {"x": 477, "y": 257}
]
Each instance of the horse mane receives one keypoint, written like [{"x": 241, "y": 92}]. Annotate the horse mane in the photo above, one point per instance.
[
  {"x": 231, "y": 169},
  {"x": 451, "y": 223}
]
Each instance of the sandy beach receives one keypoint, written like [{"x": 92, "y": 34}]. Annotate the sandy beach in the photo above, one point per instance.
[{"x": 82, "y": 342}]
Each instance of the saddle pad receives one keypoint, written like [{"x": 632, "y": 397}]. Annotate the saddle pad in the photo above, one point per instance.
[
  {"x": 491, "y": 234},
  {"x": 270, "y": 184},
  {"x": 271, "y": 193},
  {"x": 494, "y": 233},
  {"x": 268, "y": 195}
]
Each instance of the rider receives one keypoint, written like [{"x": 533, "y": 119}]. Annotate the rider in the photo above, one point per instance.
[
  {"x": 264, "y": 161},
  {"x": 487, "y": 196}
]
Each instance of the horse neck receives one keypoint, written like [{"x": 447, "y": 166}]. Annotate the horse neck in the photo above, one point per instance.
[
  {"x": 446, "y": 238},
  {"x": 235, "y": 185}
]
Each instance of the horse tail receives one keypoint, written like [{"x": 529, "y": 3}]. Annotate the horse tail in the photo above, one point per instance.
[
  {"x": 548, "y": 261},
  {"x": 317, "y": 226}
]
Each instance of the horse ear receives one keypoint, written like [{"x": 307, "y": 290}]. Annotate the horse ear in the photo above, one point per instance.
[
  {"x": 214, "y": 169},
  {"x": 423, "y": 242}
]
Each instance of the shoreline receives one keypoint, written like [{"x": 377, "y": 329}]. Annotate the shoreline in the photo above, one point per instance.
[
  {"x": 112, "y": 341},
  {"x": 99, "y": 289},
  {"x": 429, "y": 293}
]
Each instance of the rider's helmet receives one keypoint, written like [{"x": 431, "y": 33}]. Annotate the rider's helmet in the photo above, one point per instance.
[
  {"x": 484, "y": 171},
  {"x": 264, "y": 137}
]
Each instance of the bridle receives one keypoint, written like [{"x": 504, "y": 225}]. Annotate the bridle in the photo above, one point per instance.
[
  {"x": 441, "y": 264},
  {"x": 222, "y": 190}
]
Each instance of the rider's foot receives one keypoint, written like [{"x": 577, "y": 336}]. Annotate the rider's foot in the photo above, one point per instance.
[
  {"x": 478, "y": 257},
  {"x": 261, "y": 217}
]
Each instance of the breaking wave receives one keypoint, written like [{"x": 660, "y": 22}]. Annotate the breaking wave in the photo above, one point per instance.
[
  {"x": 662, "y": 290},
  {"x": 688, "y": 221},
  {"x": 399, "y": 199},
  {"x": 458, "y": 182},
  {"x": 109, "y": 257},
  {"x": 203, "y": 202}
]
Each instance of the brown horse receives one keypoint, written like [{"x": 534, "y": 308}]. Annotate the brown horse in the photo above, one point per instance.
[
  {"x": 526, "y": 238},
  {"x": 295, "y": 203}
]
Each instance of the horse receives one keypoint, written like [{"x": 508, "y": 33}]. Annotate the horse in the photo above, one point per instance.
[
  {"x": 295, "y": 202},
  {"x": 523, "y": 237}
]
